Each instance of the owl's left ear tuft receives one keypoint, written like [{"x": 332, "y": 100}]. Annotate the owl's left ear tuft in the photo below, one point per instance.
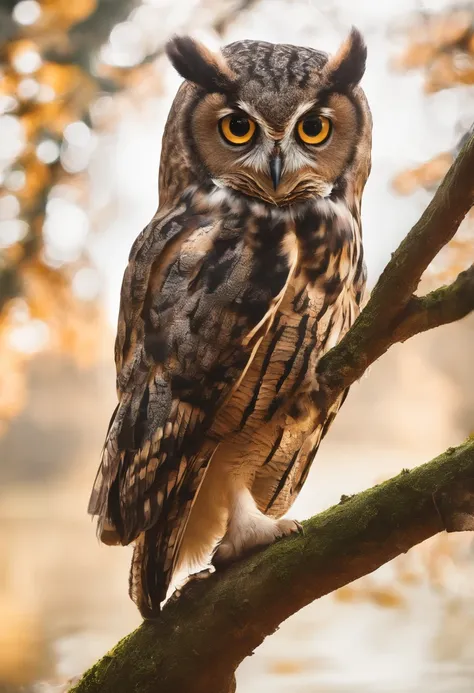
[
  {"x": 346, "y": 68},
  {"x": 199, "y": 65}
]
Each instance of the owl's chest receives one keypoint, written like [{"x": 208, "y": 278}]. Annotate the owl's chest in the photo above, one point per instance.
[
  {"x": 307, "y": 324},
  {"x": 321, "y": 301},
  {"x": 309, "y": 321},
  {"x": 313, "y": 268}
]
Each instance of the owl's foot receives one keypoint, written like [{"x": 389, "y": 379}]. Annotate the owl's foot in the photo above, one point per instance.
[
  {"x": 201, "y": 575},
  {"x": 249, "y": 529},
  {"x": 233, "y": 547},
  {"x": 194, "y": 577}
]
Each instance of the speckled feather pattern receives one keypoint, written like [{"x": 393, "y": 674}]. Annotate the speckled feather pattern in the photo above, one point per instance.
[{"x": 227, "y": 304}]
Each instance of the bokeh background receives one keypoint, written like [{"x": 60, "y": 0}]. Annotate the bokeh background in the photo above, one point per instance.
[{"x": 84, "y": 93}]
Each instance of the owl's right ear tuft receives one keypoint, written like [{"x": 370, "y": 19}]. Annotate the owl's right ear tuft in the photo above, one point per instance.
[
  {"x": 346, "y": 68},
  {"x": 199, "y": 65}
]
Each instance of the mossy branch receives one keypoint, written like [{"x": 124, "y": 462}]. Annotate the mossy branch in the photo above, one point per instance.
[
  {"x": 444, "y": 305},
  {"x": 200, "y": 638}
]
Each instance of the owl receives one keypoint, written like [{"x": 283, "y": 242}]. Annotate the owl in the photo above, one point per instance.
[{"x": 251, "y": 269}]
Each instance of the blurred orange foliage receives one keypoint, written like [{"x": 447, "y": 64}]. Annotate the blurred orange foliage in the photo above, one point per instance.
[
  {"x": 427, "y": 175},
  {"x": 442, "y": 45},
  {"x": 48, "y": 82}
]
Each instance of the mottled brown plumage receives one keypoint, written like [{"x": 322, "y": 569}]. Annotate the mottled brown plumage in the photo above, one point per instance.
[{"x": 251, "y": 269}]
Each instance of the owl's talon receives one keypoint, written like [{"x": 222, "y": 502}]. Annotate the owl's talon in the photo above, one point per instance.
[
  {"x": 288, "y": 526},
  {"x": 175, "y": 596},
  {"x": 201, "y": 575},
  {"x": 197, "y": 577},
  {"x": 243, "y": 540},
  {"x": 194, "y": 577},
  {"x": 300, "y": 528}
]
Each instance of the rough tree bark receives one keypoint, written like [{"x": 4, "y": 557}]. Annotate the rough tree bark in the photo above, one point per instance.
[{"x": 201, "y": 637}]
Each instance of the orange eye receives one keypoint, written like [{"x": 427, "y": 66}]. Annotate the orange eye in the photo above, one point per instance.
[
  {"x": 314, "y": 129},
  {"x": 237, "y": 129}
]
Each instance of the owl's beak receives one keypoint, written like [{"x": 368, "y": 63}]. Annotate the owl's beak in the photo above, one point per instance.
[{"x": 275, "y": 168}]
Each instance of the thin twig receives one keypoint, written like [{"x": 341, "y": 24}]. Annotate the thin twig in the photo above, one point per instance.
[{"x": 440, "y": 307}]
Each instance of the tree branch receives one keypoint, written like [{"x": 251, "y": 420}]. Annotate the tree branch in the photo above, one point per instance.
[
  {"x": 444, "y": 305},
  {"x": 201, "y": 638}
]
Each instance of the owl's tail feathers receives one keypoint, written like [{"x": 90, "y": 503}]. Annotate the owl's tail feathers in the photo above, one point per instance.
[
  {"x": 155, "y": 561},
  {"x": 106, "y": 487},
  {"x": 107, "y": 532},
  {"x": 148, "y": 583},
  {"x": 105, "y": 504}
]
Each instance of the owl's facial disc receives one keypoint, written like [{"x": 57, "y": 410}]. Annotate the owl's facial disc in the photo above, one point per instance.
[
  {"x": 275, "y": 122},
  {"x": 245, "y": 148}
]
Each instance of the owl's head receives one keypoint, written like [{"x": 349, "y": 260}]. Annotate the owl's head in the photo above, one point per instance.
[{"x": 275, "y": 122}]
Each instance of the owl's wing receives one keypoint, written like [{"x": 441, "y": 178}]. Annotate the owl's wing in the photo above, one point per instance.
[{"x": 197, "y": 299}]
